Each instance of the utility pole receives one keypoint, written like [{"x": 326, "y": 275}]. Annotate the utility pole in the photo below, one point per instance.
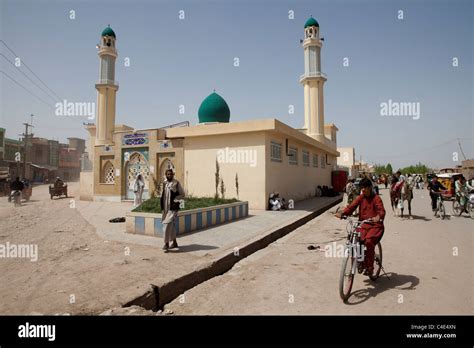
[
  {"x": 25, "y": 145},
  {"x": 463, "y": 155}
]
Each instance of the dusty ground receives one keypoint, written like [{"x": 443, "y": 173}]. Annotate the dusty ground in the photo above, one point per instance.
[
  {"x": 77, "y": 272},
  {"x": 87, "y": 265},
  {"x": 287, "y": 278}
]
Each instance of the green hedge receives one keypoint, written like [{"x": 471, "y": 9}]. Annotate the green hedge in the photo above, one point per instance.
[{"x": 152, "y": 205}]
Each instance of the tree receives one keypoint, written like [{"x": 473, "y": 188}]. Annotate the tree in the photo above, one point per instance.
[
  {"x": 222, "y": 189},
  {"x": 389, "y": 169},
  {"x": 216, "y": 196},
  {"x": 379, "y": 169},
  {"x": 237, "y": 185},
  {"x": 416, "y": 169}
]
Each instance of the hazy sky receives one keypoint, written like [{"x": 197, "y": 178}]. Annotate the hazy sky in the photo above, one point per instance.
[{"x": 177, "y": 62}]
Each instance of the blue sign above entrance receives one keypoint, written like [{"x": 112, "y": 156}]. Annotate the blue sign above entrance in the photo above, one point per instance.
[{"x": 135, "y": 139}]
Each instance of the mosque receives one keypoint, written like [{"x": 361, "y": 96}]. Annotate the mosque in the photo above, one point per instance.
[{"x": 254, "y": 157}]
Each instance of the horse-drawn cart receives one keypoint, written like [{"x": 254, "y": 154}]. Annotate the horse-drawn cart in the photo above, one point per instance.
[
  {"x": 447, "y": 180},
  {"x": 58, "y": 190}
]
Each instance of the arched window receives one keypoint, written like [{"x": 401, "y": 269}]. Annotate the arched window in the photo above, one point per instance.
[
  {"x": 108, "y": 173},
  {"x": 167, "y": 164}
]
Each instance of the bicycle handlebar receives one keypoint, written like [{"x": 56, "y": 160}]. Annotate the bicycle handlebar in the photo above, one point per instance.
[
  {"x": 354, "y": 221},
  {"x": 440, "y": 192}
]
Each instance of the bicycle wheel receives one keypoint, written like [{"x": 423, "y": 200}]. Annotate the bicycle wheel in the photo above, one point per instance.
[
  {"x": 470, "y": 206},
  {"x": 346, "y": 278},
  {"x": 442, "y": 211},
  {"x": 457, "y": 209},
  {"x": 378, "y": 261}
]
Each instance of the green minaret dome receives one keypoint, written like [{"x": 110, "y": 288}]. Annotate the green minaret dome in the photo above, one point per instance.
[
  {"x": 311, "y": 22},
  {"x": 214, "y": 109},
  {"x": 108, "y": 32}
]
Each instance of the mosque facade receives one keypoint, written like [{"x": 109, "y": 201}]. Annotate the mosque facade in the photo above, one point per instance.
[{"x": 251, "y": 158}]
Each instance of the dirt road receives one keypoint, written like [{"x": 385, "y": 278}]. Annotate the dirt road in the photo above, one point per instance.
[
  {"x": 77, "y": 272},
  {"x": 429, "y": 262}
]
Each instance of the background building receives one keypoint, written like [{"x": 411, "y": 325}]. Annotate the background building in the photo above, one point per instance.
[
  {"x": 45, "y": 159},
  {"x": 11, "y": 148},
  {"x": 346, "y": 161},
  {"x": 2, "y": 143}
]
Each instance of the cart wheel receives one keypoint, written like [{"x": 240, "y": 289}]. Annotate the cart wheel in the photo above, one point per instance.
[{"x": 51, "y": 196}]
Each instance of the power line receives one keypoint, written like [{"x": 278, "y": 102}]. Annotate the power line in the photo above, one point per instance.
[
  {"x": 6, "y": 58},
  {"x": 26, "y": 89},
  {"x": 31, "y": 70}
]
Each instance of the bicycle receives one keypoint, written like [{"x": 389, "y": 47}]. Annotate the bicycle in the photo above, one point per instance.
[
  {"x": 440, "y": 209},
  {"x": 354, "y": 256},
  {"x": 467, "y": 207}
]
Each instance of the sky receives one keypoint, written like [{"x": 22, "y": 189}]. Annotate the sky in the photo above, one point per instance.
[{"x": 175, "y": 61}]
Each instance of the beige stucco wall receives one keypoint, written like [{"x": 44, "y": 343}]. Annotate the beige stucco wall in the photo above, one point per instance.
[
  {"x": 86, "y": 189},
  {"x": 200, "y": 156},
  {"x": 347, "y": 156},
  {"x": 295, "y": 182}
]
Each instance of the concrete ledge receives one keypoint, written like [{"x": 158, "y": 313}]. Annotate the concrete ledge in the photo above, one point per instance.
[
  {"x": 187, "y": 221},
  {"x": 167, "y": 292},
  {"x": 106, "y": 198}
]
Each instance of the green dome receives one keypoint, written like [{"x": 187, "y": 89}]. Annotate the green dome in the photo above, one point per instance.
[
  {"x": 214, "y": 109},
  {"x": 108, "y": 32},
  {"x": 311, "y": 22}
]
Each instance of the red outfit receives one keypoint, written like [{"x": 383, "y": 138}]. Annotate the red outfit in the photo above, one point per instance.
[{"x": 372, "y": 233}]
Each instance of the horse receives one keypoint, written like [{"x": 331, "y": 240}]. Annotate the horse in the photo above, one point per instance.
[
  {"x": 384, "y": 180},
  {"x": 399, "y": 194}
]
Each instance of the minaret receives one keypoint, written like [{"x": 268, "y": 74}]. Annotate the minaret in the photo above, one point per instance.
[
  {"x": 106, "y": 87},
  {"x": 313, "y": 81}
]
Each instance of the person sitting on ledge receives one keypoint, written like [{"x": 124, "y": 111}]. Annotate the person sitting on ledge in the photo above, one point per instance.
[{"x": 276, "y": 203}]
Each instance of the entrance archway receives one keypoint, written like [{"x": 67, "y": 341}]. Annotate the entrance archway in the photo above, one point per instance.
[
  {"x": 167, "y": 164},
  {"x": 137, "y": 164}
]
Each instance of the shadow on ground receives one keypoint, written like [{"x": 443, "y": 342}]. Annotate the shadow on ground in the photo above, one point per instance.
[
  {"x": 415, "y": 217},
  {"x": 192, "y": 247},
  {"x": 395, "y": 281}
]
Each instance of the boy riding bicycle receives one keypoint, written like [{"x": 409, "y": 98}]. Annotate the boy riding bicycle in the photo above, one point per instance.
[{"x": 371, "y": 207}]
